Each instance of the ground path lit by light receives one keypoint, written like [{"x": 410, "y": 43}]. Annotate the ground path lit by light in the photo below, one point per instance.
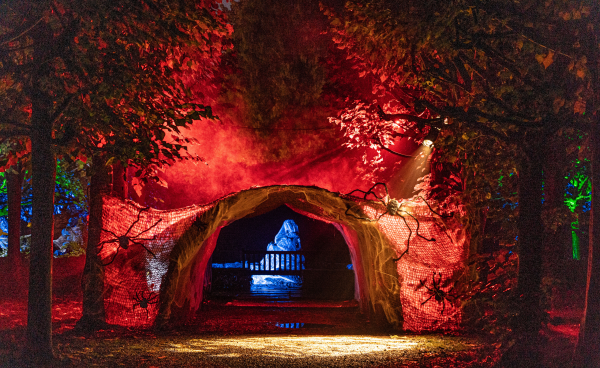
[
  {"x": 276, "y": 351},
  {"x": 263, "y": 335},
  {"x": 297, "y": 346},
  {"x": 226, "y": 335}
]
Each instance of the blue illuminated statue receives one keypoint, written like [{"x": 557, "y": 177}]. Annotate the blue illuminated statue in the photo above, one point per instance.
[{"x": 286, "y": 240}]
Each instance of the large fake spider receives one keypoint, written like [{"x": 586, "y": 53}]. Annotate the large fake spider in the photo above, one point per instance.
[
  {"x": 392, "y": 207},
  {"x": 123, "y": 241},
  {"x": 144, "y": 301},
  {"x": 436, "y": 291}
]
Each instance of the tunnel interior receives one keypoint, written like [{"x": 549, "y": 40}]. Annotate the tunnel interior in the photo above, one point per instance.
[{"x": 325, "y": 272}]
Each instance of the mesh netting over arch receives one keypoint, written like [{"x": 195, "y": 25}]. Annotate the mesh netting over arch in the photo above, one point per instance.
[{"x": 159, "y": 277}]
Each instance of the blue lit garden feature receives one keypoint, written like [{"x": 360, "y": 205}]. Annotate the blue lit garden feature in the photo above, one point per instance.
[
  {"x": 286, "y": 240},
  {"x": 281, "y": 255},
  {"x": 70, "y": 200}
]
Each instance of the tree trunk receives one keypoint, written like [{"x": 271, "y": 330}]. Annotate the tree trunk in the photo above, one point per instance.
[
  {"x": 93, "y": 273},
  {"x": 530, "y": 247},
  {"x": 14, "y": 184},
  {"x": 119, "y": 185},
  {"x": 43, "y": 167},
  {"x": 587, "y": 352},
  {"x": 530, "y": 243}
]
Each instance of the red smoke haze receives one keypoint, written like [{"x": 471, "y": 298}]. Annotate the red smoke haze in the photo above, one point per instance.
[{"x": 238, "y": 158}]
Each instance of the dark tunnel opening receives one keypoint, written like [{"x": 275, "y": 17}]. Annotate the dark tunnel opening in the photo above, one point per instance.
[{"x": 317, "y": 267}]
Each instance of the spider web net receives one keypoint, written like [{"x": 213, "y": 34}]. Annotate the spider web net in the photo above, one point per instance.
[
  {"x": 416, "y": 292},
  {"x": 444, "y": 257},
  {"x": 135, "y": 273}
]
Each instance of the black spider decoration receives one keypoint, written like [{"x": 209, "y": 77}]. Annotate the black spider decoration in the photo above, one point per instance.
[
  {"x": 144, "y": 301},
  {"x": 124, "y": 240},
  {"x": 393, "y": 207},
  {"x": 432, "y": 211},
  {"x": 436, "y": 291}
]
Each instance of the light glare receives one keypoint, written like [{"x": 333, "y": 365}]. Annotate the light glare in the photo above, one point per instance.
[{"x": 297, "y": 346}]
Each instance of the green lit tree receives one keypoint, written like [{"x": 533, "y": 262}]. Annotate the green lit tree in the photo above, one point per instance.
[
  {"x": 577, "y": 197},
  {"x": 499, "y": 80}
]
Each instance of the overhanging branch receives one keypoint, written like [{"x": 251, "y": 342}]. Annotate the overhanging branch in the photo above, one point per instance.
[
  {"x": 5, "y": 134},
  {"x": 378, "y": 139},
  {"x": 22, "y": 126},
  {"x": 63, "y": 106},
  {"x": 505, "y": 120},
  {"x": 408, "y": 117},
  {"x": 19, "y": 32}
]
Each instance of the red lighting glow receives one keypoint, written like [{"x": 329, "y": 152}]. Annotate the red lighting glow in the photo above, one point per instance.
[{"x": 426, "y": 273}]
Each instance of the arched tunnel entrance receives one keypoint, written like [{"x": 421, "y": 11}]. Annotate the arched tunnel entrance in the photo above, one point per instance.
[
  {"x": 159, "y": 278},
  {"x": 377, "y": 286},
  {"x": 315, "y": 260}
]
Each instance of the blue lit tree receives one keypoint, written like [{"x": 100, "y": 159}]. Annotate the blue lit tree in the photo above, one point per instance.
[
  {"x": 96, "y": 80},
  {"x": 70, "y": 196}
]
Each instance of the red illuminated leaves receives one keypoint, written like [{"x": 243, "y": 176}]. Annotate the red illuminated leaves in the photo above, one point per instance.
[
  {"x": 579, "y": 107},
  {"x": 545, "y": 60},
  {"x": 15, "y": 151},
  {"x": 102, "y": 44}
]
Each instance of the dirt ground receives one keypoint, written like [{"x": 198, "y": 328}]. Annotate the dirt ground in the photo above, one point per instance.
[
  {"x": 238, "y": 334},
  {"x": 230, "y": 333}
]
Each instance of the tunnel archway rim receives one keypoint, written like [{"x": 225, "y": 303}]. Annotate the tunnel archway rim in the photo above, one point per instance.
[{"x": 193, "y": 249}]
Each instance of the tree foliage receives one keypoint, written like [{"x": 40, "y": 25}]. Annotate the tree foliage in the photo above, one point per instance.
[
  {"x": 495, "y": 70},
  {"x": 97, "y": 79},
  {"x": 492, "y": 76},
  {"x": 502, "y": 80},
  {"x": 279, "y": 57},
  {"x": 118, "y": 76}
]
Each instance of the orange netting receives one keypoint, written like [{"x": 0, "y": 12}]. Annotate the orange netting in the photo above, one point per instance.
[
  {"x": 165, "y": 254},
  {"x": 134, "y": 273}
]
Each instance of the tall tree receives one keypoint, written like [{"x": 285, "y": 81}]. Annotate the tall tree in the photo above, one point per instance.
[
  {"x": 586, "y": 351},
  {"x": 93, "y": 274},
  {"x": 14, "y": 184},
  {"x": 87, "y": 77},
  {"x": 503, "y": 74}
]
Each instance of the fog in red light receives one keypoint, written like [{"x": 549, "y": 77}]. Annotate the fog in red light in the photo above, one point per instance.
[{"x": 237, "y": 158}]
